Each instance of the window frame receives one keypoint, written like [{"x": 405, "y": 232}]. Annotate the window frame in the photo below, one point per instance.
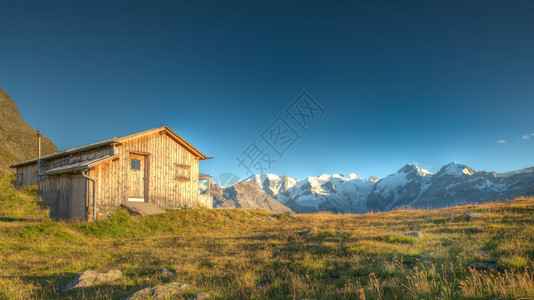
[{"x": 135, "y": 164}]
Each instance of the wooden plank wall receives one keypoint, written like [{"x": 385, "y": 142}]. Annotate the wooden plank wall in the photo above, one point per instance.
[
  {"x": 57, "y": 194},
  {"x": 65, "y": 195},
  {"x": 109, "y": 189},
  {"x": 26, "y": 175},
  {"x": 162, "y": 163}
]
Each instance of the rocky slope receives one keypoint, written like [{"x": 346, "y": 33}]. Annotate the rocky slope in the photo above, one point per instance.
[
  {"x": 246, "y": 195},
  {"x": 18, "y": 138},
  {"x": 454, "y": 184}
]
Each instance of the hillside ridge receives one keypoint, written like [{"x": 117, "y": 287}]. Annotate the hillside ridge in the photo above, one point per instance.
[{"x": 19, "y": 139}]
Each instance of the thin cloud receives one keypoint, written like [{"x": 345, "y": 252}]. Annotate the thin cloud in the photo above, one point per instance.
[
  {"x": 501, "y": 141},
  {"x": 526, "y": 136}
]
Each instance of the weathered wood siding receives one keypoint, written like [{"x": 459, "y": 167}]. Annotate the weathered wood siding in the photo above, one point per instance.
[
  {"x": 205, "y": 200},
  {"x": 26, "y": 175},
  {"x": 170, "y": 176},
  {"x": 109, "y": 183},
  {"x": 66, "y": 196},
  {"x": 164, "y": 157}
]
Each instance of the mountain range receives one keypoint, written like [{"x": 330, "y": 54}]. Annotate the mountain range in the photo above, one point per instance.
[
  {"x": 453, "y": 184},
  {"x": 411, "y": 186}
]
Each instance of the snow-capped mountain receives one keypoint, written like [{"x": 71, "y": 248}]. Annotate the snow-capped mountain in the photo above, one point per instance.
[
  {"x": 336, "y": 193},
  {"x": 453, "y": 184},
  {"x": 273, "y": 184},
  {"x": 398, "y": 189}
]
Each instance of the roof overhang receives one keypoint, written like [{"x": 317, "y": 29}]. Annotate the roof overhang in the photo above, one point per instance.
[
  {"x": 77, "y": 167},
  {"x": 162, "y": 129},
  {"x": 68, "y": 152}
]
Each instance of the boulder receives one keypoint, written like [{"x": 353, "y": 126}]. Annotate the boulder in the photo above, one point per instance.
[
  {"x": 161, "y": 291},
  {"x": 200, "y": 296},
  {"x": 89, "y": 278},
  {"x": 165, "y": 273},
  {"x": 483, "y": 266},
  {"x": 307, "y": 233},
  {"x": 469, "y": 216},
  {"x": 416, "y": 234}
]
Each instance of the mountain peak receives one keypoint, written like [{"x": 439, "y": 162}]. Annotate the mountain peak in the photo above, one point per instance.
[
  {"x": 456, "y": 169},
  {"x": 373, "y": 179},
  {"x": 353, "y": 176},
  {"x": 408, "y": 168}
]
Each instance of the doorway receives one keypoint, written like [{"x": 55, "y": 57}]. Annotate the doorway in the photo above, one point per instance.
[{"x": 137, "y": 174}]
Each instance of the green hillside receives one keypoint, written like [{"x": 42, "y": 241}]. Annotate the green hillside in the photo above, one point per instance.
[{"x": 250, "y": 254}]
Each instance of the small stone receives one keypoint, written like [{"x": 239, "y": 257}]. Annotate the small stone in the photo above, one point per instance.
[
  {"x": 161, "y": 291},
  {"x": 261, "y": 285},
  {"x": 307, "y": 233},
  {"x": 200, "y": 296},
  {"x": 483, "y": 266},
  {"x": 89, "y": 278},
  {"x": 165, "y": 273},
  {"x": 429, "y": 254},
  {"x": 416, "y": 234},
  {"x": 469, "y": 216}
]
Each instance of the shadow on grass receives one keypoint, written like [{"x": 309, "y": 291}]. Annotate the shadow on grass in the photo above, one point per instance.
[
  {"x": 47, "y": 287},
  {"x": 6, "y": 219}
]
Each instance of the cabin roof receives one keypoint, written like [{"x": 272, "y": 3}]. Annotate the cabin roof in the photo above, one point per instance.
[
  {"x": 116, "y": 140},
  {"x": 78, "y": 166}
]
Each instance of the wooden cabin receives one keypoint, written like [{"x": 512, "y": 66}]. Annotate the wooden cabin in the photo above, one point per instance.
[{"x": 155, "y": 166}]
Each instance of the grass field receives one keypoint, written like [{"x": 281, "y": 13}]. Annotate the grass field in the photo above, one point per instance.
[{"x": 239, "y": 254}]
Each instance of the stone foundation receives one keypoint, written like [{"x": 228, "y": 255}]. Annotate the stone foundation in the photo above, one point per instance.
[{"x": 102, "y": 212}]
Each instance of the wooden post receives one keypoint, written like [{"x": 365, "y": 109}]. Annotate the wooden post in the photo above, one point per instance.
[{"x": 39, "y": 161}]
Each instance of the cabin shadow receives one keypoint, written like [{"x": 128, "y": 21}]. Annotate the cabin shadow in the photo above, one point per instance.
[{"x": 6, "y": 219}]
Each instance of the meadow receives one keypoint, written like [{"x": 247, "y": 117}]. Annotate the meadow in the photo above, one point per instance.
[{"x": 251, "y": 254}]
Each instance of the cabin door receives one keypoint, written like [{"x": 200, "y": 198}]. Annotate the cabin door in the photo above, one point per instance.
[{"x": 137, "y": 178}]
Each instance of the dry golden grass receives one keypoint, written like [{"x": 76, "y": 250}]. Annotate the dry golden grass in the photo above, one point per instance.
[{"x": 238, "y": 254}]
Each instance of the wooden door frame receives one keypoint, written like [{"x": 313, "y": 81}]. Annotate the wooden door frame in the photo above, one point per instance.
[{"x": 146, "y": 155}]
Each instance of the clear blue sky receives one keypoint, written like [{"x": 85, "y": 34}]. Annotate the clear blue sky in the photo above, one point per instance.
[{"x": 425, "y": 82}]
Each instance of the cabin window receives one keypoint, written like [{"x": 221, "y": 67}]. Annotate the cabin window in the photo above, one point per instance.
[
  {"x": 183, "y": 172},
  {"x": 135, "y": 164}
]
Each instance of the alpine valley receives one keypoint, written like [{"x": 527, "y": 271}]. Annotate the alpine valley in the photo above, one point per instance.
[{"x": 454, "y": 184}]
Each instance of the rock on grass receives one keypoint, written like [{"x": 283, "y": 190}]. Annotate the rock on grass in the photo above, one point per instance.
[
  {"x": 200, "y": 296},
  {"x": 307, "y": 233},
  {"x": 416, "y": 234},
  {"x": 483, "y": 266},
  {"x": 165, "y": 273},
  {"x": 163, "y": 291},
  {"x": 89, "y": 278},
  {"x": 469, "y": 216}
]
